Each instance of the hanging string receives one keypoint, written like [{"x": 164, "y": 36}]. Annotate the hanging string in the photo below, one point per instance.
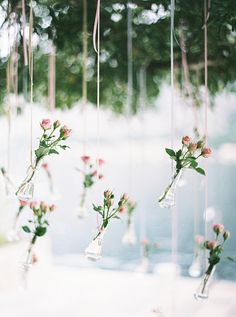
[
  {"x": 174, "y": 232},
  {"x": 31, "y": 80},
  {"x": 130, "y": 58},
  {"x": 8, "y": 91},
  {"x": 24, "y": 37},
  {"x": 206, "y": 16},
  {"x": 51, "y": 77},
  {"x": 96, "y": 45},
  {"x": 85, "y": 61}
]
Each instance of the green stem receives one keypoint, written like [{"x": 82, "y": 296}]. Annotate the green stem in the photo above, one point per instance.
[{"x": 169, "y": 186}]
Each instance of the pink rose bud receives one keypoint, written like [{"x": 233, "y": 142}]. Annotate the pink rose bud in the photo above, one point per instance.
[
  {"x": 56, "y": 124},
  {"x": 107, "y": 193},
  {"x": 33, "y": 204},
  {"x": 186, "y": 140},
  {"x": 206, "y": 152},
  {"x": 46, "y": 124},
  {"x": 199, "y": 239},
  {"x": 34, "y": 258},
  {"x": 218, "y": 228},
  {"x": 212, "y": 245},
  {"x": 23, "y": 203},
  {"x": 45, "y": 166},
  {"x": 226, "y": 235},
  {"x": 85, "y": 159},
  {"x": 121, "y": 209},
  {"x": 145, "y": 242},
  {"x": 200, "y": 144},
  {"x": 100, "y": 176},
  {"x": 43, "y": 206},
  {"x": 125, "y": 197},
  {"x": 65, "y": 132},
  {"x": 100, "y": 162},
  {"x": 94, "y": 173},
  {"x": 192, "y": 148},
  {"x": 52, "y": 207}
]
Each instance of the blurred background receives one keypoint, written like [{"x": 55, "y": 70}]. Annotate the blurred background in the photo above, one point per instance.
[{"x": 134, "y": 127}]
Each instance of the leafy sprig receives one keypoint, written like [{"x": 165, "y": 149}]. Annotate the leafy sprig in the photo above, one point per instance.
[{"x": 107, "y": 211}]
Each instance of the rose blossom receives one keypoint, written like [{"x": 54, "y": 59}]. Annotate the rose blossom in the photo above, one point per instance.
[
  {"x": 56, "y": 124},
  {"x": 186, "y": 140},
  {"x": 100, "y": 162},
  {"x": 145, "y": 242},
  {"x": 33, "y": 204},
  {"x": 121, "y": 209},
  {"x": 46, "y": 124},
  {"x": 45, "y": 166},
  {"x": 65, "y": 132},
  {"x": 52, "y": 207},
  {"x": 192, "y": 148},
  {"x": 211, "y": 245},
  {"x": 23, "y": 203},
  {"x": 44, "y": 206},
  {"x": 85, "y": 159},
  {"x": 206, "y": 152},
  {"x": 218, "y": 228},
  {"x": 199, "y": 239}
]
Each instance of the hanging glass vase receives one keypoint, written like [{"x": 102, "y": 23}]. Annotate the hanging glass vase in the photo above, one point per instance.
[
  {"x": 94, "y": 251},
  {"x": 143, "y": 267},
  {"x": 195, "y": 270},
  {"x": 25, "y": 268},
  {"x": 81, "y": 210},
  {"x": 129, "y": 237},
  {"x": 167, "y": 199},
  {"x": 202, "y": 291},
  {"x": 26, "y": 190},
  {"x": 12, "y": 234}
]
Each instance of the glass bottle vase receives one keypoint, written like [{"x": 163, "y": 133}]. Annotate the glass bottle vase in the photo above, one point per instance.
[
  {"x": 94, "y": 250},
  {"x": 167, "y": 199},
  {"x": 202, "y": 291},
  {"x": 81, "y": 210},
  {"x": 129, "y": 237},
  {"x": 195, "y": 269},
  {"x": 25, "y": 191},
  {"x": 26, "y": 265}
]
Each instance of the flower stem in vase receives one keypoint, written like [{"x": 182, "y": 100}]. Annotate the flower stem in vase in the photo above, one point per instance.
[
  {"x": 202, "y": 291},
  {"x": 129, "y": 237},
  {"x": 12, "y": 235},
  {"x": 94, "y": 251},
  {"x": 167, "y": 199},
  {"x": 81, "y": 210}
]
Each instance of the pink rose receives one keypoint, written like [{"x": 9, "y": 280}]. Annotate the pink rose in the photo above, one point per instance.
[
  {"x": 44, "y": 206},
  {"x": 121, "y": 209},
  {"x": 145, "y": 242},
  {"x": 206, "y": 152},
  {"x": 23, "y": 203},
  {"x": 33, "y": 204},
  {"x": 46, "y": 124},
  {"x": 192, "y": 148},
  {"x": 186, "y": 140},
  {"x": 100, "y": 162},
  {"x": 45, "y": 166},
  {"x": 85, "y": 159},
  {"x": 199, "y": 239},
  {"x": 212, "y": 245},
  {"x": 52, "y": 207},
  {"x": 125, "y": 197},
  {"x": 65, "y": 132},
  {"x": 218, "y": 228}
]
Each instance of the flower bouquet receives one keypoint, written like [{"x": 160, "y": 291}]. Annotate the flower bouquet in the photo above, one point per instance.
[
  {"x": 215, "y": 248},
  {"x": 129, "y": 236},
  {"x": 37, "y": 227},
  {"x": 195, "y": 269},
  {"x": 51, "y": 140},
  {"x": 107, "y": 211},
  {"x": 186, "y": 157},
  {"x": 89, "y": 177},
  {"x": 13, "y": 235}
]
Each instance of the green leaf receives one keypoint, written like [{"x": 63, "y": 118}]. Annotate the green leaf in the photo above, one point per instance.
[
  {"x": 178, "y": 154},
  {"x": 64, "y": 147},
  {"x": 41, "y": 151},
  {"x": 116, "y": 217},
  {"x": 194, "y": 164},
  {"x": 52, "y": 151},
  {"x": 230, "y": 259},
  {"x": 40, "y": 231},
  {"x": 26, "y": 229},
  {"x": 170, "y": 152},
  {"x": 200, "y": 170}
]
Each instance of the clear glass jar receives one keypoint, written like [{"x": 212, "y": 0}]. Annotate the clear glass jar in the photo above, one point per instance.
[
  {"x": 81, "y": 210},
  {"x": 129, "y": 237},
  {"x": 94, "y": 251},
  {"x": 25, "y": 266},
  {"x": 26, "y": 190},
  {"x": 202, "y": 291},
  {"x": 167, "y": 199},
  {"x": 195, "y": 269}
]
